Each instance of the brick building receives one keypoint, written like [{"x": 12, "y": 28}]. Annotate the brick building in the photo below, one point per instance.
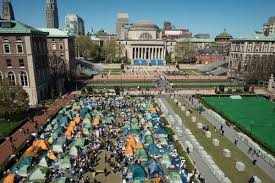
[{"x": 24, "y": 58}]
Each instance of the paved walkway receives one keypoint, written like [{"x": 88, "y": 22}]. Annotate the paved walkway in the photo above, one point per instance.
[
  {"x": 195, "y": 156},
  {"x": 7, "y": 149},
  {"x": 231, "y": 134}
]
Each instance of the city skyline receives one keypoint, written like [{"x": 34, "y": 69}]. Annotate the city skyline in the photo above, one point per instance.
[{"x": 236, "y": 17}]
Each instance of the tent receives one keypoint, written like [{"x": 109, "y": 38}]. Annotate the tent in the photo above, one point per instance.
[
  {"x": 88, "y": 115},
  {"x": 134, "y": 131},
  {"x": 43, "y": 162},
  {"x": 174, "y": 177},
  {"x": 139, "y": 145},
  {"x": 138, "y": 172},
  {"x": 83, "y": 111},
  {"x": 42, "y": 144},
  {"x": 132, "y": 141},
  {"x": 37, "y": 175},
  {"x": 86, "y": 121},
  {"x": 60, "y": 130},
  {"x": 52, "y": 155},
  {"x": 23, "y": 171},
  {"x": 166, "y": 159},
  {"x": 96, "y": 121},
  {"x": 155, "y": 168},
  {"x": 58, "y": 148},
  {"x": 153, "y": 110},
  {"x": 163, "y": 141},
  {"x": 162, "y": 132},
  {"x": 141, "y": 155},
  {"x": 65, "y": 162},
  {"x": 26, "y": 161},
  {"x": 129, "y": 151},
  {"x": 9, "y": 178},
  {"x": 30, "y": 152},
  {"x": 148, "y": 140},
  {"x": 153, "y": 150},
  {"x": 81, "y": 142},
  {"x": 73, "y": 151},
  {"x": 62, "y": 180}
]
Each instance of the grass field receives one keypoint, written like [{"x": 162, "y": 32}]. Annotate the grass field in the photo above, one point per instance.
[
  {"x": 6, "y": 128},
  {"x": 227, "y": 165},
  {"x": 255, "y": 114}
]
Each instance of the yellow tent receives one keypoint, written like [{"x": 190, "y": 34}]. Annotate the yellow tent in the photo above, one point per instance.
[
  {"x": 77, "y": 120},
  {"x": 129, "y": 151},
  {"x": 70, "y": 128},
  {"x": 96, "y": 121},
  {"x": 30, "y": 152},
  {"x": 132, "y": 142},
  {"x": 42, "y": 144},
  {"x": 10, "y": 178},
  {"x": 152, "y": 110},
  {"x": 68, "y": 133},
  {"x": 52, "y": 155}
]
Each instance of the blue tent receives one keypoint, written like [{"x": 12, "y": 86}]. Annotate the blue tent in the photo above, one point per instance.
[
  {"x": 138, "y": 172},
  {"x": 153, "y": 150},
  {"x": 83, "y": 111},
  {"x": 155, "y": 169},
  {"x": 26, "y": 161},
  {"x": 162, "y": 131}
]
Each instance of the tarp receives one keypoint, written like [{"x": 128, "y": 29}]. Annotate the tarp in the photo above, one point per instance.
[
  {"x": 153, "y": 150},
  {"x": 141, "y": 155},
  {"x": 42, "y": 144},
  {"x": 23, "y": 171},
  {"x": 138, "y": 172},
  {"x": 37, "y": 175},
  {"x": 10, "y": 178}
]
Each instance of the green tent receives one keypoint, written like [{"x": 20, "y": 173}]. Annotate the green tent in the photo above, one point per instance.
[
  {"x": 134, "y": 132},
  {"x": 88, "y": 115},
  {"x": 148, "y": 140},
  {"x": 166, "y": 159},
  {"x": 62, "y": 180},
  {"x": 43, "y": 162},
  {"x": 73, "y": 151},
  {"x": 86, "y": 120},
  {"x": 65, "y": 162},
  {"x": 163, "y": 141},
  {"x": 81, "y": 142},
  {"x": 37, "y": 175},
  {"x": 58, "y": 148},
  {"x": 134, "y": 125},
  {"x": 174, "y": 177},
  {"x": 141, "y": 154},
  {"x": 23, "y": 171}
]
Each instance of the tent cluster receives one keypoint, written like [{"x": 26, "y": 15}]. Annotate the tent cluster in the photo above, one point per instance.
[{"x": 129, "y": 128}]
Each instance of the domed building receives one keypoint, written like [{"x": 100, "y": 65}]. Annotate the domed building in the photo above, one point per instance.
[
  {"x": 144, "y": 45},
  {"x": 223, "y": 37},
  {"x": 223, "y": 42}
]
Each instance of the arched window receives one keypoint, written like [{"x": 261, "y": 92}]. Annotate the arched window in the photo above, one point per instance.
[
  {"x": 11, "y": 78},
  {"x": 23, "y": 78},
  {"x": 145, "y": 36}
]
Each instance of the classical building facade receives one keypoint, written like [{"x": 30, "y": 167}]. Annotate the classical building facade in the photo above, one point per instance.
[
  {"x": 144, "y": 44},
  {"x": 74, "y": 24},
  {"x": 52, "y": 20},
  {"x": 248, "y": 49},
  {"x": 24, "y": 58},
  {"x": 269, "y": 27},
  {"x": 7, "y": 10}
]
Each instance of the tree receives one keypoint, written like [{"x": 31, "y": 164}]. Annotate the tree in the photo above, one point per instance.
[
  {"x": 13, "y": 100},
  {"x": 87, "y": 49},
  {"x": 113, "y": 51},
  {"x": 185, "y": 52},
  {"x": 60, "y": 73}
]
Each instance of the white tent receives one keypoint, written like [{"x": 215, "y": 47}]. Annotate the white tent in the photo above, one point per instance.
[{"x": 37, "y": 175}]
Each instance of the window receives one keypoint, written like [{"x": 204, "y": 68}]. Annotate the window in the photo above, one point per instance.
[
  {"x": 9, "y": 63},
  {"x": 61, "y": 46},
  {"x": 23, "y": 78},
  {"x": 21, "y": 62},
  {"x": 7, "y": 48},
  {"x": 257, "y": 48},
  {"x": 53, "y": 46},
  {"x": 145, "y": 36},
  {"x": 61, "y": 54},
  {"x": 19, "y": 48},
  {"x": 11, "y": 78}
]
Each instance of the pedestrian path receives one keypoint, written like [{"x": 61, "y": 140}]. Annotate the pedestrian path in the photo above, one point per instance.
[
  {"x": 195, "y": 156},
  {"x": 231, "y": 134},
  {"x": 21, "y": 136}
]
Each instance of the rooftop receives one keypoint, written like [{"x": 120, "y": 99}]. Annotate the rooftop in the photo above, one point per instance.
[
  {"x": 16, "y": 27},
  {"x": 53, "y": 32},
  {"x": 255, "y": 37},
  {"x": 145, "y": 24},
  {"x": 224, "y": 35},
  {"x": 195, "y": 40}
]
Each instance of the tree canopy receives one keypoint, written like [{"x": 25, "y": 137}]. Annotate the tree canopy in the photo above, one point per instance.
[
  {"x": 185, "y": 52},
  {"x": 13, "y": 100},
  {"x": 87, "y": 48}
]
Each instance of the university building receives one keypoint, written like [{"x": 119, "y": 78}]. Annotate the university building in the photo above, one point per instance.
[
  {"x": 24, "y": 58},
  {"x": 247, "y": 50}
]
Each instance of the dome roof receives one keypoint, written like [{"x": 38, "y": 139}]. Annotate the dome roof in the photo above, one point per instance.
[
  {"x": 224, "y": 35},
  {"x": 144, "y": 24}
]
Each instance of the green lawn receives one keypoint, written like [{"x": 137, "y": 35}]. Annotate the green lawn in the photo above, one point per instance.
[
  {"x": 6, "y": 128},
  {"x": 191, "y": 71},
  {"x": 244, "y": 112},
  {"x": 227, "y": 165}
]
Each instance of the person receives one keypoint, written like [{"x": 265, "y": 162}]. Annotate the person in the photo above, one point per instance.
[
  {"x": 188, "y": 150},
  {"x": 215, "y": 129},
  {"x": 236, "y": 141},
  {"x": 249, "y": 150},
  {"x": 221, "y": 128},
  {"x": 254, "y": 162}
]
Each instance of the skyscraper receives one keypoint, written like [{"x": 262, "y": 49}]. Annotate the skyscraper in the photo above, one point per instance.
[
  {"x": 52, "y": 14},
  {"x": 7, "y": 10},
  {"x": 74, "y": 24},
  {"x": 122, "y": 19}
]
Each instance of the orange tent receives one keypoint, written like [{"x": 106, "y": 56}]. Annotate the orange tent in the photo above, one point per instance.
[
  {"x": 42, "y": 144},
  {"x": 132, "y": 142},
  {"x": 30, "y": 152},
  {"x": 152, "y": 110},
  {"x": 129, "y": 151},
  {"x": 52, "y": 155},
  {"x": 10, "y": 178},
  {"x": 70, "y": 128},
  {"x": 77, "y": 120},
  {"x": 68, "y": 133},
  {"x": 96, "y": 121}
]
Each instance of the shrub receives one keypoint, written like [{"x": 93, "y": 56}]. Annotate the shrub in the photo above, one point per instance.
[
  {"x": 246, "y": 88},
  {"x": 117, "y": 90},
  {"x": 221, "y": 88},
  {"x": 252, "y": 89},
  {"x": 170, "y": 131},
  {"x": 238, "y": 91},
  {"x": 229, "y": 90},
  {"x": 216, "y": 90}
]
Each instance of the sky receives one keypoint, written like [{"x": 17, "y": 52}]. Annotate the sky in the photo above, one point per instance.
[{"x": 238, "y": 17}]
